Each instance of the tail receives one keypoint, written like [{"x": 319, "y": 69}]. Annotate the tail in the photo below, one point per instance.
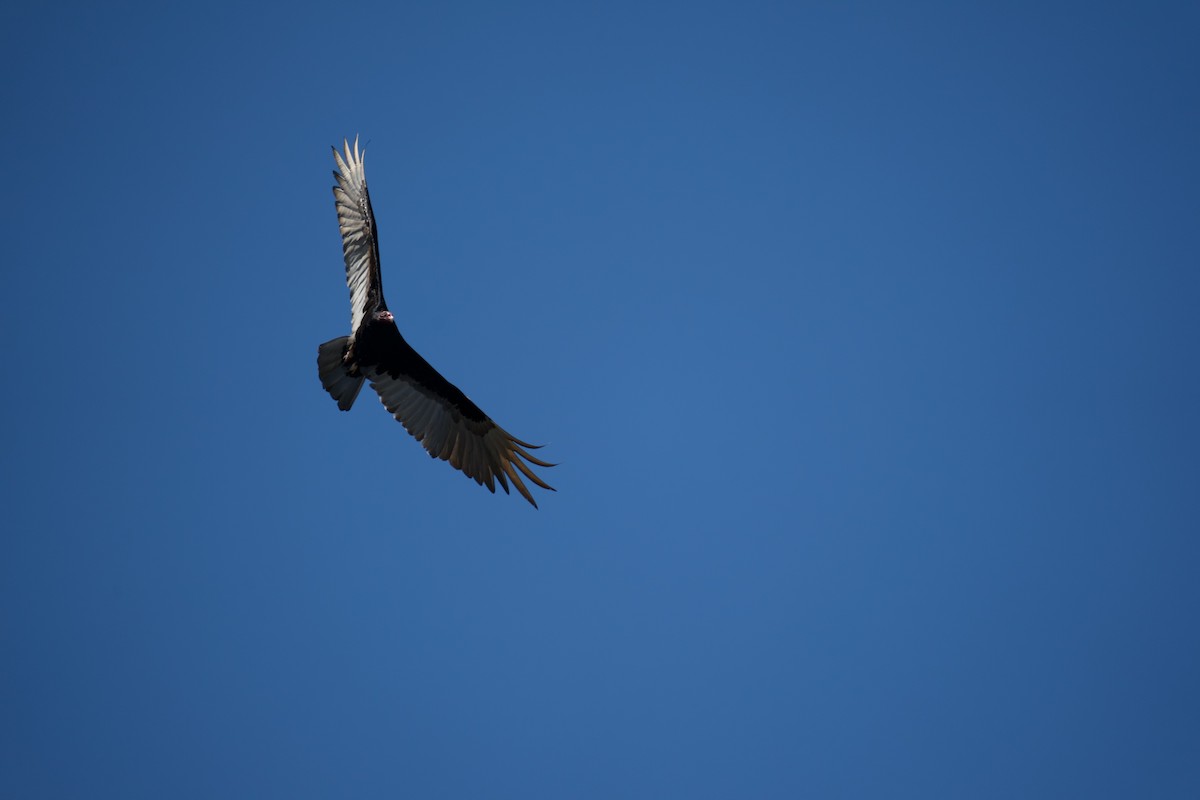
[{"x": 340, "y": 384}]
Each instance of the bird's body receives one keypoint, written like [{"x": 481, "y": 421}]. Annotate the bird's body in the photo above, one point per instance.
[{"x": 431, "y": 408}]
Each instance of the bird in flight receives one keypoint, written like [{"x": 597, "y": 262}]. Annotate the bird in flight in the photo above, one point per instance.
[{"x": 443, "y": 419}]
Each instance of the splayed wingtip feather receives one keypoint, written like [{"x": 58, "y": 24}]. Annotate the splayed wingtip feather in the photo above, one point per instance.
[
  {"x": 530, "y": 473},
  {"x": 518, "y": 483},
  {"x": 531, "y": 459}
]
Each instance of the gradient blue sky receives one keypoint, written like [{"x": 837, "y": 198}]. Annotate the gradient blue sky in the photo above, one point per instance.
[{"x": 865, "y": 334}]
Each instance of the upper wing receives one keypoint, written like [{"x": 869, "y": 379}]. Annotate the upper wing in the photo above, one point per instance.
[
  {"x": 360, "y": 242},
  {"x": 450, "y": 426}
]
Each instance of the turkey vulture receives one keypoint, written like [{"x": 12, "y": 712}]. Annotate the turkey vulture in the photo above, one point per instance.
[{"x": 431, "y": 408}]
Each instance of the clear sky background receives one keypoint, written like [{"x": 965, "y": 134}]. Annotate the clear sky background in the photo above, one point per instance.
[{"x": 865, "y": 335}]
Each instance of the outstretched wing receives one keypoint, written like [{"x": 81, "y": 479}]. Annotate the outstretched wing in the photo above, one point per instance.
[
  {"x": 449, "y": 425},
  {"x": 360, "y": 241}
]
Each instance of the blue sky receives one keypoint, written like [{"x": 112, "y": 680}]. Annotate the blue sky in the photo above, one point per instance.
[{"x": 865, "y": 336}]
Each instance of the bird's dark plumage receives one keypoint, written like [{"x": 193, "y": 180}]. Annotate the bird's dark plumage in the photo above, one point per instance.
[{"x": 431, "y": 408}]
